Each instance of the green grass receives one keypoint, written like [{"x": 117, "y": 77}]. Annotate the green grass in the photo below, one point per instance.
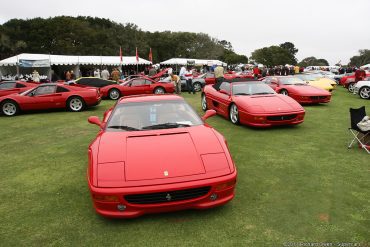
[{"x": 295, "y": 184}]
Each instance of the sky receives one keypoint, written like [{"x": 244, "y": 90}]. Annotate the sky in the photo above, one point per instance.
[{"x": 330, "y": 29}]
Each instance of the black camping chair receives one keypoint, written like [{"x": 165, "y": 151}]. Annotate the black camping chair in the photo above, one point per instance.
[{"x": 356, "y": 116}]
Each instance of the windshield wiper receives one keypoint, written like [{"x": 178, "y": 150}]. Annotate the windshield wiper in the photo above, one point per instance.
[
  {"x": 123, "y": 127},
  {"x": 241, "y": 94},
  {"x": 166, "y": 126},
  {"x": 262, "y": 93}
]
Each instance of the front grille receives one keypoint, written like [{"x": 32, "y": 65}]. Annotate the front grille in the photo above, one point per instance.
[
  {"x": 281, "y": 118},
  {"x": 169, "y": 196},
  {"x": 317, "y": 97}
]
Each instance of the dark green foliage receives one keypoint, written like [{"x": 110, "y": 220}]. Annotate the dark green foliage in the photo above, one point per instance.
[
  {"x": 273, "y": 55},
  {"x": 313, "y": 61},
  {"x": 99, "y": 36},
  {"x": 362, "y": 59}
]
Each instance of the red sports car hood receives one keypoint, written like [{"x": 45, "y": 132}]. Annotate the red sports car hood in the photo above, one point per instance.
[
  {"x": 307, "y": 90},
  {"x": 275, "y": 103},
  {"x": 157, "y": 154}
]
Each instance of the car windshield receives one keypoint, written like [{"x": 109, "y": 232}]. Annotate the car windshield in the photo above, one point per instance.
[
  {"x": 251, "y": 88},
  {"x": 309, "y": 77},
  {"x": 292, "y": 81},
  {"x": 140, "y": 116}
]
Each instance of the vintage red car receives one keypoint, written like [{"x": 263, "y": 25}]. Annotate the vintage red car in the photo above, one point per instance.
[
  {"x": 50, "y": 96},
  {"x": 10, "y": 87},
  {"x": 297, "y": 89},
  {"x": 154, "y": 154},
  {"x": 252, "y": 103},
  {"x": 135, "y": 86}
]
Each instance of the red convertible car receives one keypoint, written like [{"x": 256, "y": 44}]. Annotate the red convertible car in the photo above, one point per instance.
[
  {"x": 298, "y": 89},
  {"x": 50, "y": 96},
  {"x": 138, "y": 85},
  {"x": 10, "y": 87},
  {"x": 252, "y": 103},
  {"x": 154, "y": 154}
]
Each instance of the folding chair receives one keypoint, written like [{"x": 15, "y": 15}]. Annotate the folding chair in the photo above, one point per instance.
[{"x": 356, "y": 116}]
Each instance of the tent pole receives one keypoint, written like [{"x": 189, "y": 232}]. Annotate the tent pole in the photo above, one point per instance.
[{"x": 17, "y": 67}]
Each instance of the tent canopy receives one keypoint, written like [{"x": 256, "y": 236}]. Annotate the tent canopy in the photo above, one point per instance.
[
  {"x": 73, "y": 60},
  {"x": 185, "y": 61}
]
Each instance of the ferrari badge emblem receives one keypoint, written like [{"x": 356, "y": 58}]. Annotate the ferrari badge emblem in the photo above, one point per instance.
[
  {"x": 165, "y": 173},
  {"x": 168, "y": 197}
]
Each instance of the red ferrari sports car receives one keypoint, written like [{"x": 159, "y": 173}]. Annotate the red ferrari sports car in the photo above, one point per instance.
[
  {"x": 10, "y": 87},
  {"x": 349, "y": 82},
  {"x": 138, "y": 85},
  {"x": 252, "y": 103},
  {"x": 298, "y": 89},
  {"x": 50, "y": 96},
  {"x": 153, "y": 154}
]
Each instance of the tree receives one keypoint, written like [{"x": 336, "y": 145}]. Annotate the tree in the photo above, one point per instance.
[
  {"x": 313, "y": 61},
  {"x": 362, "y": 59},
  {"x": 273, "y": 55},
  {"x": 290, "y": 47}
]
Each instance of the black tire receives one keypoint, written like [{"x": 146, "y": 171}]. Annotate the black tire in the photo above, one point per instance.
[
  {"x": 351, "y": 87},
  {"x": 76, "y": 104},
  {"x": 114, "y": 94},
  {"x": 197, "y": 86},
  {"x": 9, "y": 108},
  {"x": 284, "y": 92},
  {"x": 159, "y": 90},
  {"x": 203, "y": 102},
  {"x": 364, "y": 92},
  {"x": 234, "y": 114}
]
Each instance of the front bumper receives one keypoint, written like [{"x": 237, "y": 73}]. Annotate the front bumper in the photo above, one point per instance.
[{"x": 110, "y": 209}]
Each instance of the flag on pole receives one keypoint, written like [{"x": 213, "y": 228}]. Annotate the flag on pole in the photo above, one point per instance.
[
  {"x": 150, "y": 55},
  {"x": 137, "y": 56},
  {"x": 120, "y": 54}
]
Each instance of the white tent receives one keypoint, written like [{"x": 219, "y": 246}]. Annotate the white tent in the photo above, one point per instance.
[
  {"x": 366, "y": 66},
  {"x": 185, "y": 61},
  {"x": 73, "y": 60}
]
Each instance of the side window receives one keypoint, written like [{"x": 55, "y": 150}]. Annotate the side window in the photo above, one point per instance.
[
  {"x": 225, "y": 86},
  {"x": 19, "y": 85},
  {"x": 44, "y": 90},
  {"x": 7, "y": 85},
  {"x": 147, "y": 82},
  {"x": 137, "y": 82},
  {"x": 62, "y": 89}
]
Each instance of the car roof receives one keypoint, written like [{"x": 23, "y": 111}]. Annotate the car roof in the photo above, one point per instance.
[{"x": 149, "y": 97}]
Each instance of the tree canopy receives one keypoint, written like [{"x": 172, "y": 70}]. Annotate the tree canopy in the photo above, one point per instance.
[
  {"x": 313, "y": 61},
  {"x": 362, "y": 59},
  {"x": 273, "y": 55},
  {"x": 98, "y": 36}
]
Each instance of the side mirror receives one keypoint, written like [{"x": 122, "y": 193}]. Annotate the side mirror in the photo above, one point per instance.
[
  {"x": 208, "y": 114},
  {"x": 95, "y": 120},
  {"x": 224, "y": 91}
]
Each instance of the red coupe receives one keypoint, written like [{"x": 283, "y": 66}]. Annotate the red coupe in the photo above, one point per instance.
[
  {"x": 350, "y": 81},
  {"x": 298, "y": 89},
  {"x": 252, "y": 103},
  {"x": 138, "y": 85},
  {"x": 155, "y": 154},
  {"x": 10, "y": 87},
  {"x": 50, "y": 96}
]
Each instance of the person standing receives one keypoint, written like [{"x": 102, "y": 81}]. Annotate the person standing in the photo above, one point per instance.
[
  {"x": 105, "y": 74},
  {"x": 219, "y": 74},
  {"x": 152, "y": 71},
  {"x": 182, "y": 72},
  {"x": 68, "y": 75},
  {"x": 97, "y": 73},
  {"x": 177, "y": 83},
  {"x": 35, "y": 76},
  {"x": 115, "y": 75},
  {"x": 189, "y": 80},
  {"x": 256, "y": 72}
]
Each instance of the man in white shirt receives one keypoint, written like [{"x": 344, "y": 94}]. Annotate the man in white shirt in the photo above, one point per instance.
[
  {"x": 105, "y": 74},
  {"x": 182, "y": 72},
  {"x": 189, "y": 80},
  {"x": 97, "y": 73}
]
